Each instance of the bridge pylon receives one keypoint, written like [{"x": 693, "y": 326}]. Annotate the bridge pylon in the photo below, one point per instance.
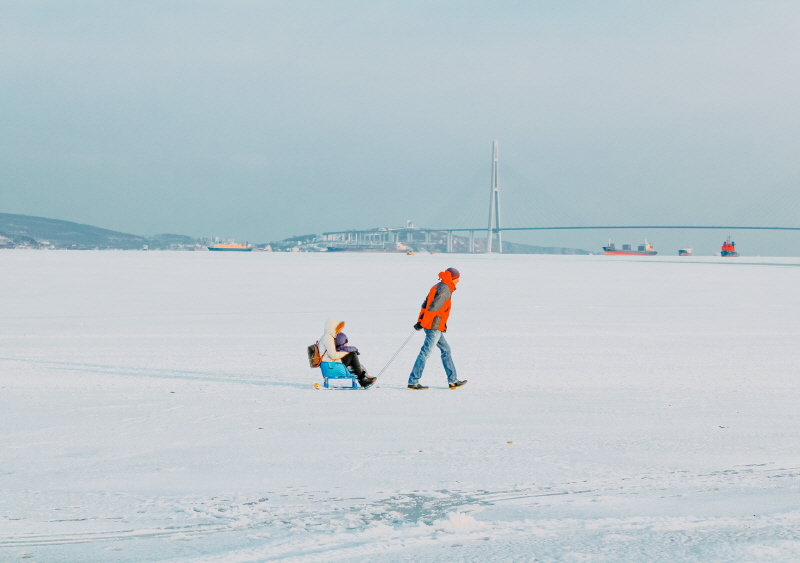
[{"x": 494, "y": 207}]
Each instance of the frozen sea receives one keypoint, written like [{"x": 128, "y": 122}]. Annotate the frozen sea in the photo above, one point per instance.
[{"x": 158, "y": 406}]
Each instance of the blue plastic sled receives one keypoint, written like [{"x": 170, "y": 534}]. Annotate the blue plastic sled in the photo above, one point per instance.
[{"x": 337, "y": 370}]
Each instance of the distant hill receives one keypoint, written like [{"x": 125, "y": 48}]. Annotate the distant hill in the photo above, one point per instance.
[{"x": 25, "y": 230}]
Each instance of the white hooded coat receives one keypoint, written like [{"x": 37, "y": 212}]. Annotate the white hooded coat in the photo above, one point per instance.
[{"x": 327, "y": 343}]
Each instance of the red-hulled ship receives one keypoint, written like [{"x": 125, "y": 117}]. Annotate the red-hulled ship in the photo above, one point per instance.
[
  {"x": 729, "y": 249},
  {"x": 645, "y": 249}
]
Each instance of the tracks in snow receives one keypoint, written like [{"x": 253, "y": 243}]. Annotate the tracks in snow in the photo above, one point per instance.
[{"x": 317, "y": 511}]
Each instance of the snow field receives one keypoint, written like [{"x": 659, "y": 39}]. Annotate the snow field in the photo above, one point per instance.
[{"x": 159, "y": 407}]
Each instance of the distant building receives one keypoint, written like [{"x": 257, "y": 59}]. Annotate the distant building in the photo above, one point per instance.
[
  {"x": 407, "y": 239},
  {"x": 402, "y": 239}
]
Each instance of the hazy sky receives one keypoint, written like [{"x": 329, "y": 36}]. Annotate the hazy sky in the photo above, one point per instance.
[{"x": 260, "y": 120}]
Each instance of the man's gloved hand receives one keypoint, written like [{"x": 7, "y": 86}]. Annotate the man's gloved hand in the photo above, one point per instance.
[{"x": 417, "y": 326}]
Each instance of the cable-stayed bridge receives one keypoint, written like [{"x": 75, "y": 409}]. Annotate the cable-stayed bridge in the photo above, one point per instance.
[{"x": 552, "y": 211}]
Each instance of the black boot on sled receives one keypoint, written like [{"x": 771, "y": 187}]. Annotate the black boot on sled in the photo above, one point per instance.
[{"x": 366, "y": 381}]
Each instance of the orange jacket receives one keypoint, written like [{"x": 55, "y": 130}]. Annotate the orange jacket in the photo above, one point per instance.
[{"x": 436, "y": 307}]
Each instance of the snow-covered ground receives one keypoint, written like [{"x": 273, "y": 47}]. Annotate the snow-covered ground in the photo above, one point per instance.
[{"x": 159, "y": 407}]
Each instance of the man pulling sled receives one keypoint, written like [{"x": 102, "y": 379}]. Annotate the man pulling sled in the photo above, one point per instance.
[
  {"x": 332, "y": 348},
  {"x": 433, "y": 319}
]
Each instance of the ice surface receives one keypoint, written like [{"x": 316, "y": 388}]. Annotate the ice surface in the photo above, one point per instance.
[{"x": 159, "y": 407}]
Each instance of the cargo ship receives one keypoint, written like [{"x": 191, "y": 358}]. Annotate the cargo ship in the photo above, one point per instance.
[
  {"x": 729, "y": 249},
  {"x": 645, "y": 249},
  {"x": 685, "y": 251},
  {"x": 233, "y": 246}
]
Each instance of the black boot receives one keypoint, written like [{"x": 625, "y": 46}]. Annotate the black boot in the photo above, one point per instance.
[{"x": 366, "y": 381}]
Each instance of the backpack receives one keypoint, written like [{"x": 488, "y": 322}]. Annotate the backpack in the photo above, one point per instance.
[{"x": 314, "y": 359}]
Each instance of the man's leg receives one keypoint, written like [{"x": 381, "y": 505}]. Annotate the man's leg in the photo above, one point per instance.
[
  {"x": 431, "y": 338},
  {"x": 447, "y": 360},
  {"x": 351, "y": 361}
]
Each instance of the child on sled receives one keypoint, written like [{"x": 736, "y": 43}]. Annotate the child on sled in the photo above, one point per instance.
[{"x": 333, "y": 348}]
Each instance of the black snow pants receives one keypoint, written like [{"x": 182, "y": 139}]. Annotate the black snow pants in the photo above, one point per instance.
[{"x": 352, "y": 363}]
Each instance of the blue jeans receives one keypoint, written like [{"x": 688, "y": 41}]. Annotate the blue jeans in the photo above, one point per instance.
[{"x": 433, "y": 338}]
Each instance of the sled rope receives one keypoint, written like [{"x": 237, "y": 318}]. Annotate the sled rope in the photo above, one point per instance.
[{"x": 395, "y": 354}]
